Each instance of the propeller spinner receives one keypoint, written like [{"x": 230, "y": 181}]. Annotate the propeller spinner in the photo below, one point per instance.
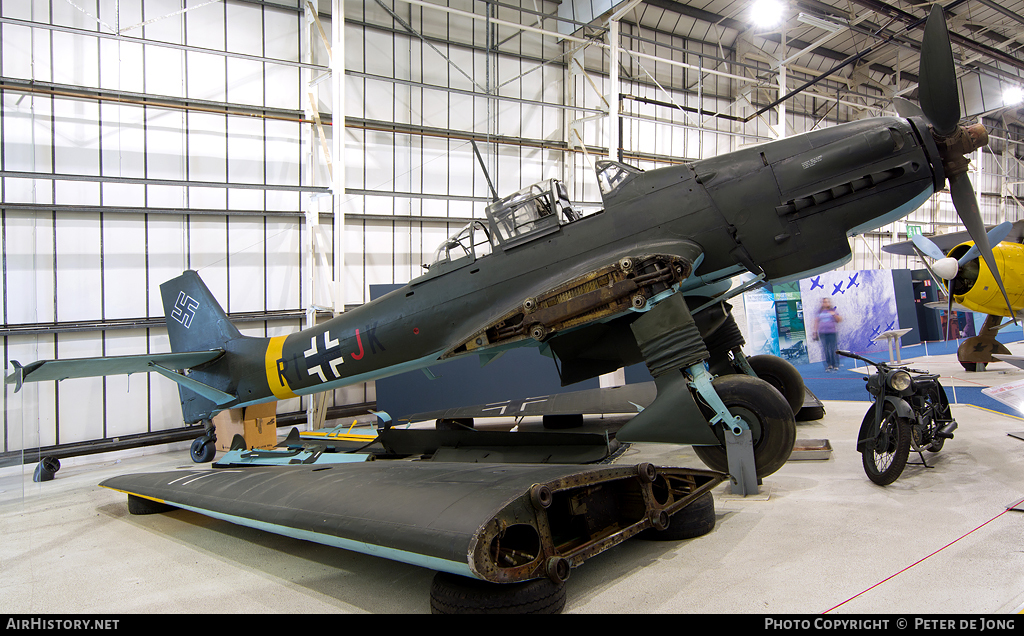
[{"x": 940, "y": 105}]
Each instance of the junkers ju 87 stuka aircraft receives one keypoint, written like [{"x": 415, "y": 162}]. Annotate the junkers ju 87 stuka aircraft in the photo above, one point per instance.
[
  {"x": 644, "y": 279},
  {"x": 972, "y": 287}
]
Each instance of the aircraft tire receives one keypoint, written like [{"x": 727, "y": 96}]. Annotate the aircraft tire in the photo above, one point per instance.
[
  {"x": 765, "y": 411},
  {"x": 782, "y": 375},
  {"x": 696, "y": 519},
  {"x": 143, "y": 506},
  {"x": 454, "y": 594},
  {"x": 203, "y": 450}
]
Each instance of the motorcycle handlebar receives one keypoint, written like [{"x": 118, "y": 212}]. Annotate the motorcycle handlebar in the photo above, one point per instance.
[{"x": 850, "y": 354}]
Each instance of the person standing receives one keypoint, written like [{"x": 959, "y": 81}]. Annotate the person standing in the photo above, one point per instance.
[{"x": 826, "y": 327}]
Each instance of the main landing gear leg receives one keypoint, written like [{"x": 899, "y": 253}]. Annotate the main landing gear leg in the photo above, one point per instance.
[{"x": 739, "y": 441}]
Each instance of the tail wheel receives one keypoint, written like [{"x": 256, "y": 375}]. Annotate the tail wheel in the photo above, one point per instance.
[
  {"x": 783, "y": 376},
  {"x": 203, "y": 450},
  {"x": 885, "y": 456},
  {"x": 765, "y": 411}
]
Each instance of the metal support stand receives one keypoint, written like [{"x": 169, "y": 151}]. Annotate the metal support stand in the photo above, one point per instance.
[{"x": 739, "y": 449}]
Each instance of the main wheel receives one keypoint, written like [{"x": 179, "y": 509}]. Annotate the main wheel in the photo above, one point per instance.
[
  {"x": 454, "y": 594},
  {"x": 765, "y": 411},
  {"x": 885, "y": 456},
  {"x": 696, "y": 519},
  {"x": 783, "y": 376}
]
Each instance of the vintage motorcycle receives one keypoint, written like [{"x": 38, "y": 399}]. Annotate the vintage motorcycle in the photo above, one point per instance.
[{"x": 910, "y": 411}]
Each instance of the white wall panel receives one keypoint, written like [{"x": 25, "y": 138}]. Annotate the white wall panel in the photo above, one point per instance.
[
  {"x": 245, "y": 81},
  {"x": 247, "y": 273},
  {"x": 126, "y": 398},
  {"x": 16, "y": 45},
  {"x": 207, "y": 76},
  {"x": 29, "y": 277},
  {"x": 125, "y": 245},
  {"x": 283, "y": 257},
  {"x": 122, "y": 140},
  {"x": 78, "y": 267},
  {"x": 164, "y": 73},
  {"x": 245, "y": 146}
]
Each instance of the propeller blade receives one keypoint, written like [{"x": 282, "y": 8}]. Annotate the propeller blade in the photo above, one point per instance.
[
  {"x": 907, "y": 108},
  {"x": 966, "y": 204},
  {"x": 925, "y": 245},
  {"x": 995, "y": 236},
  {"x": 938, "y": 91}
]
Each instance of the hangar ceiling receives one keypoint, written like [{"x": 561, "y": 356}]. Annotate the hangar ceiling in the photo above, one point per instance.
[{"x": 868, "y": 50}]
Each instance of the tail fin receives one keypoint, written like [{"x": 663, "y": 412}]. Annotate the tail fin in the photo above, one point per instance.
[{"x": 195, "y": 321}]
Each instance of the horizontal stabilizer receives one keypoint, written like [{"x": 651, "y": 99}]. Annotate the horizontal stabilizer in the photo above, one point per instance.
[{"x": 43, "y": 370}]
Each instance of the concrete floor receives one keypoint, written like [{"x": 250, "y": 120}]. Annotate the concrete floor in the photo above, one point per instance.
[{"x": 818, "y": 538}]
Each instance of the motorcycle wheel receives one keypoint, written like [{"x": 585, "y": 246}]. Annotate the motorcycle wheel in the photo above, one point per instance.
[
  {"x": 766, "y": 413},
  {"x": 885, "y": 457}
]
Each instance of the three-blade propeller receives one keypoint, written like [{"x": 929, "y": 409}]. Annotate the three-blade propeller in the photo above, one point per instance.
[
  {"x": 948, "y": 267},
  {"x": 940, "y": 105}
]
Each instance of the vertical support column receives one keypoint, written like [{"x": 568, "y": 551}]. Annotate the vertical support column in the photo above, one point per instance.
[
  {"x": 338, "y": 149},
  {"x": 781, "y": 133},
  {"x": 614, "y": 140}
]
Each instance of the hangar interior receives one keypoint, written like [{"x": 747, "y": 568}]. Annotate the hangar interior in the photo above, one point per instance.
[{"x": 143, "y": 139}]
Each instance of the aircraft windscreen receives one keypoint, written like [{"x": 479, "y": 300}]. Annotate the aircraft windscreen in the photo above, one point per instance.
[
  {"x": 611, "y": 175},
  {"x": 472, "y": 240}
]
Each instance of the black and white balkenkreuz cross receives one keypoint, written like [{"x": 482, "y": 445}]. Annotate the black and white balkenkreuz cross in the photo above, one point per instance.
[{"x": 324, "y": 361}]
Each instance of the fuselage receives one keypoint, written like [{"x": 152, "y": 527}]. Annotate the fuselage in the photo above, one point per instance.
[{"x": 783, "y": 209}]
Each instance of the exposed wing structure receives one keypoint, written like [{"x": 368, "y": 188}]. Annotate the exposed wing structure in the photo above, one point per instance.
[{"x": 498, "y": 522}]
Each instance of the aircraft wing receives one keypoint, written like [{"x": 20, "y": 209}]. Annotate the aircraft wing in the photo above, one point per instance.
[
  {"x": 946, "y": 242},
  {"x": 941, "y": 304},
  {"x": 43, "y": 370},
  {"x": 631, "y": 398},
  {"x": 443, "y": 516},
  {"x": 1017, "y": 361}
]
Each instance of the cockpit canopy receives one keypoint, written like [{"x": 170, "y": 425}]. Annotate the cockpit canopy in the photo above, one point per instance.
[{"x": 530, "y": 213}]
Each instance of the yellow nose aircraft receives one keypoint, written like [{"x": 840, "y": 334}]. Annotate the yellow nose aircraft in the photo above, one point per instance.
[{"x": 972, "y": 286}]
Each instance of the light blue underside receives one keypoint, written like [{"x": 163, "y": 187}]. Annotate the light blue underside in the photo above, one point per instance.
[{"x": 421, "y": 560}]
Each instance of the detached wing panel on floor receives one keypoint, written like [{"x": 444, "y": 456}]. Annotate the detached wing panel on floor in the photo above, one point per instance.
[{"x": 497, "y": 522}]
